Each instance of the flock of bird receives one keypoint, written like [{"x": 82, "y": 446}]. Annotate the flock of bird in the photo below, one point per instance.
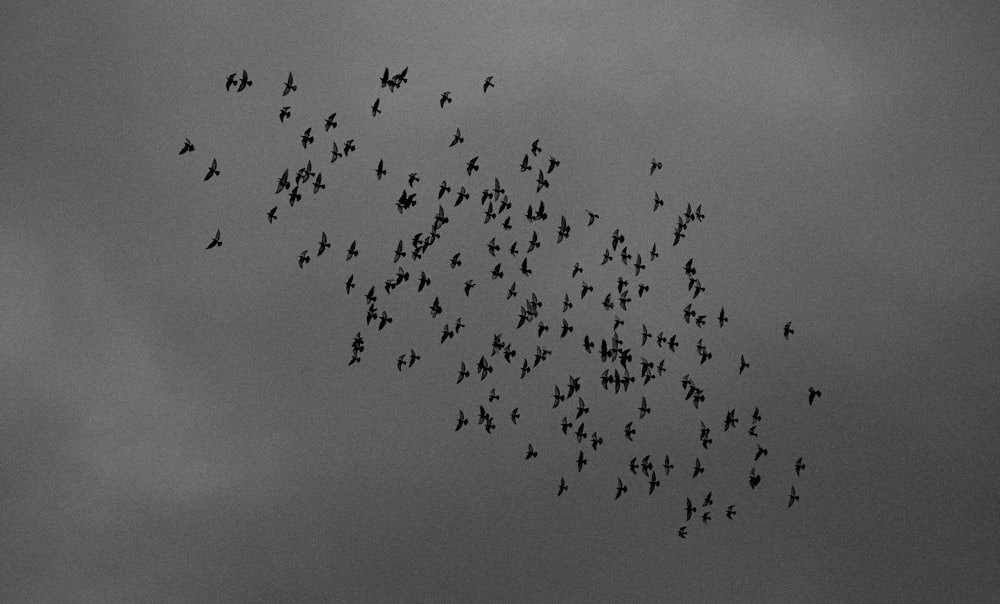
[{"x": 613, "y": 354}]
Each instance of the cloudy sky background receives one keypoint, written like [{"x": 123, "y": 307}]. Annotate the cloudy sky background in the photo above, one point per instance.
[{"x": 181, "y": 425}]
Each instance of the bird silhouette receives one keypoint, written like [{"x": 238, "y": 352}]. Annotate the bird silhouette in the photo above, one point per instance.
[
  {"x": 743, "y": 364},
  {"x": 289, "y": 85},
  {"x": 380, "y": 171},
  {"x": 445, "y": 98},
  {"x": 244, "y": 82},
  {"x": 799, "y": 466},
  {"x": 788, "y": 329},
  {"x": 323, "y": 245},
  {"x": 462, "y": 421},
  {"x": 792, "y": 497},
  {"x": 216, "y": 241},
  {"x": 285, "y": 112},
  {"x": 330, "y": 123},
  {"x": 187, "y": 146},
  {"x": 654, "y": 166},
  {"x": 230, "y": 81},
  {"x": 622, "y": 488},
  {"x": 213, "y": 170},
  {"x": 471, "y": 166},
  {"x": 813, "y": 394},
  {"x": 375, "y": 109},
  {"x": 562, "y": 487},
  {"x": 487, "y": 83}
]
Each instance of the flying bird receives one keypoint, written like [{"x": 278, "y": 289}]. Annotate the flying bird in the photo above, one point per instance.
[
  {"x": 799, "y": 466},
  {"x": 462, "y": 421},
  {"x": 380, "y": 170},
  {"x": 457, "y": 139},
  {"x": 445, "y": 98},
  {"x": 230, "y": 81},
  {"x": 187, "y": 147},
  {"x": 562, "y": 486},
  {"x": 216, "y": 241},
  {"x": 271, "y": 217},
  {"x": 322, "y": 244},
  {"x": 788, "y": 329},
  {"x": 622, "y": 488},
  {"x": 289, "y": 85},
  {"x": 375, "y": 109},
  {"x": 743, "y": 364},
  {"x": 487, "y": 83},
  {"x": 813, "y": 394},
  {"x": 792, "y": 498},
  {"x": 303, "y": 258},
  {"x": 244, "y": 82},
  {"x": 213, "y": 170},
  {"x": 654, "y": 166},
  {"x": 330, "y": 123},
  {"x": 285, "y": 112},
  {"x": 471, "y": 166}
]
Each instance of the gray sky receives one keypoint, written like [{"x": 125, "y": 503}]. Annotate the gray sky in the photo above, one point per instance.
[{"x": 181, "y": 424}]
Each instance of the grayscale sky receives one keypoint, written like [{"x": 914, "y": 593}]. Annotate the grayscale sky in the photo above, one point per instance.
[{"x": 181, "y": 425}]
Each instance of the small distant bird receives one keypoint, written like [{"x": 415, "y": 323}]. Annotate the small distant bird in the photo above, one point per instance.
[
  {"x": 330, "y": 123},
  {"x": 682, "y": 532},
  {"x": 323, "y": 245},
  {"x": 761, "y": 451},
  {"x": 553, "y": 162},
  {"x": 723, "y": 319},
  {"x": 445, "y": 98},
  {"x": 531, "y": 452},
  {"x": 698, "y": 469},
  {"x": 462, "y": 421},
  {"x": 216, "y": 241},
  {"x": 813, "y": 394},
  {"x": 187, "y": 147},
  {"x": 244, "y": 82},
  {"x": 213, "y": 170},
  {"x": 285, "y": 112},
  {"x": 318, "y": 184},
  {"x": 413, "y": 178},
  {"x": 743, "y": 364},
  {"x": 731, "y": 511},
  {"x": 622, "y": 488},
  {"x": 689, "y": 509},
  {"x": 230, "y": 81},
  {"x": 303, "y": 258},
  {"x": 457, "y": 138},
  {"x": 471, "y": 166},
  {"x": 380, "y": 171},
  {"x": 792, "y": 498},
  {"x": 788, "y": 329},
  {"x": 375, "y": 109},
  {"x": 629, "y": 430},
  {"x": 562, "y": 486},
  {"x": 271, "y": 217},
  {"x": 657, "y": 201},
  {"x": 350, "y": 283},
  {"x": 591, "y": 217},
  {"x": 514, "y": 415},
  {"x": 799, "y": 466},
  {"x": 653, "y": 482},
  {"x": 307, "y": 138},
  {"x": 580, "y": 462},
  {"x": 654, "y": 166},
  {"x": 289, "y": 85},
  {"x": 487, "y": 83},
  {"x": 535, "y": 149}
]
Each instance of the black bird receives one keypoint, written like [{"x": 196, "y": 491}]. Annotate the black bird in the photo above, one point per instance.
[
  {"x": 187, "y": 147},
  {"x": 444, "y": 188},
  {"x": 667, "y": 466},
  {"x": 813, "y": 394},
  {"x": 591, "y": 217},
  {"x": 708, "y": 500},
  {"x": 629, "y": 430},
  {"x": 349, "y": 284},
  {"x": 462, "y": 374},
  {"x": 643, "y": 409},
  {"x": 682, "y": 532},
  {"x": 730, "y": 512},
  {"x": 285, "y": 112},
  {"x": 562, "y": 486},
  {"x": 322, "y": 244},
  {"x": 760, "y": 451},
  {"x": 244, "y": 82},
  {"x": 289, "y": 85},
  {"x": 462, "y": 420},
  {"x": 471, "y": 166},
  {"x": 336, "y": 153},
  {"x": 792, "y": 498},
  {"x": 788, "y": 329},
  {"x": 706, "y": 517},
  {"x": 330, "y": 123},
  {"x": 689, "y": 509},
  {"x": 230, "y": 81},
  {"x": 657, "y": 202},
  {"x": 525, "y": 166},
  {"x": 622, "y": 488},
  {"x": 595, "y": 440},
  {"x": 799, "y": 466},
  {"x": 348, "y": 146},
  {"x": 424, "y": 281},
  {"x": 553, "y": 162},
  {"x": 380, "y": 170},
  {"x": 698, "y": 469},
  {"x": 524, "y": 268},
  {"x": 531, "y": 452},
  {"x": 514, "y": 415},
  {"x": 385, "y": 79},
  {"x": 216, "y": 241},
  {"x": 462, "y": 195},
  {"x": 580, "y": 462},
  {"x": 653, "y": 482},
  {"x": 318, "y": 184},
  {"x": 213, "y": 170},
  {"x": 456, "y": 261},
  {"x": 743, "y": 364},
  {"x": 303, "y": 258},
  {"x": 487, "y": 83},
  {"x": 654, "y": 166},
  {"x": 445, "y": 98},
  {"x": 754, "y": 478},
  {"x": 468, "y": 286},
  {"x": 722, "y": 317},
  {"x": 413, "y": 178},
  {"x": 458, "y": 139},
  {"x": 375, "y": 109},
  {"x": 353, "y": 250},
  {"x": 756, "y": 415},
  {"x": 271, "y": 217},
  {"x": 542, "y": 182}
]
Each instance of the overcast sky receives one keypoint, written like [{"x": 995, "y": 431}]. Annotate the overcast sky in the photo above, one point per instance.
[{"x": 181, "y": 424}]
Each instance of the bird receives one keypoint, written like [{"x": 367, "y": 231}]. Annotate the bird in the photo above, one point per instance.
[
  {"x": 531, "y": 452},
  {"x": 654, "y": 166},
  {"x": 722, "y": 317},
  {"x": 375, "y": 109},
  {"x": 682, "y": 532},
  {"x": 471, "y": 166},
  {"x": 412, "y": 179},
  {"x": 535, "y": 149},
  {"x": 322, "y": 244},
  {"x": 629, "y": 430},
  {"x": 445, "y": 98},
  {"x": 213, "y": 170},
  {"x": 514, "y": 415},
  {"x": 657, "y": 201},
  {"x": 792, "y": 497},
  {"x": 487, "y": 83},
  {"x": 318, "y": 184},
  {"x": 562, "y": 486},
  {"x": 285, "y": 112},
  {"x": 289, "y": 85},
  {"x": 689, "y": 509},
  {"x": 385, "y": 80},
  {"x": 352, "y": 251},
  {"x": 216, "y": 241},
  {"x": 761, "y": 451},
  {"x": 230, "y": 81},
  {"x": 591, "y": 217},
  {"x": 743, "y": 364},
  {"x": 457, "y": 138},
  {"x": 330, "y": 123},
  {"x": 799, "y": 466},
  {"x": 553, "y": 163},
  {"x": 813, "y": 394},
  {"x": 244, "y": 82},
  {"x": 653, "y": 482},
  {"x": 462, "y": 421},
  {"x": 731, "y": 511},
  {"x": 542, "y": 182},
  {"x": 187, "y": 147},
  {"x": 350, "y": 283},
  {"x": 667, "y": 466},
  {"x": 462, "y": 374},
  {"x": 580, "y": 462},
  {"x": 698, "y": 469},
  {"x": 622, "y": 488},
  {"x": 788, "y": 329},
  {"x": 380, "y": 170}
]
